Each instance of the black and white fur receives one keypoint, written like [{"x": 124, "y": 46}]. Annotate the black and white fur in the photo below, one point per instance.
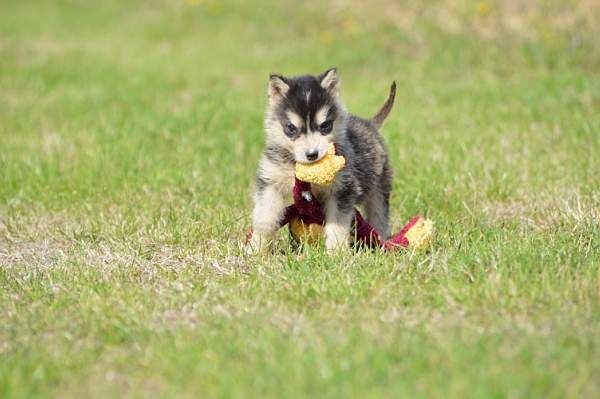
[{"x": 303, "y": 115}]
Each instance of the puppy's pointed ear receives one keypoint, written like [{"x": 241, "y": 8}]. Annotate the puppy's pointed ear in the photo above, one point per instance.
[
  {"x": 278, "y": 87},
  {"x": 330, "y": 81}
]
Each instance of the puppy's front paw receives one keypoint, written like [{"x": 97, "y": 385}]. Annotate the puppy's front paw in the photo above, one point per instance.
[
  {"x": 336, "y": 238},
  {"x": 256, "y": 244}
]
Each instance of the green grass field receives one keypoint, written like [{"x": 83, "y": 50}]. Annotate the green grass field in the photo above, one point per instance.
[{"x": 129, "y": 139}]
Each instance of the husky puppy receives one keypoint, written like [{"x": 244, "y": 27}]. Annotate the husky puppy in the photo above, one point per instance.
[{"x": 303, "y": 115}]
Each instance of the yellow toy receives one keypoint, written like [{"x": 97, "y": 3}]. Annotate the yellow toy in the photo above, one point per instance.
[{"x": 323, "y": 171}]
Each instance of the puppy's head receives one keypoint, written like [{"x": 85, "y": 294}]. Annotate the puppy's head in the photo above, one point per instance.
[{"x": 304, "y": 114}]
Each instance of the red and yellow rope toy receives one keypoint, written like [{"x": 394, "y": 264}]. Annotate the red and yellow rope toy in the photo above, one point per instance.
[{"x": 306, "y": 219}]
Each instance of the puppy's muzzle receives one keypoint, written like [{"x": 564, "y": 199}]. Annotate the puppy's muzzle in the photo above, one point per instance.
[{"x": 312, "y": 154}]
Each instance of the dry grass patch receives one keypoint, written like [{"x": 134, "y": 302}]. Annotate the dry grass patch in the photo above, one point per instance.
[{"x": 546, "y": 211}]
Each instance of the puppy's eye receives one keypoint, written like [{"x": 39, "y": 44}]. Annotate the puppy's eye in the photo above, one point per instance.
[
  {"x": 290, "y": 129},
  {"x": 326, "y": 126}
]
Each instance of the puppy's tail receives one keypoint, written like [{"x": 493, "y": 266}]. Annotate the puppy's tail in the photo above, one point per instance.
[{"x": 386, "y": 108}]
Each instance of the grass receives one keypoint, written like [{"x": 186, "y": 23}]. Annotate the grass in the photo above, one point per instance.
[{"x": 129, "y": 138}]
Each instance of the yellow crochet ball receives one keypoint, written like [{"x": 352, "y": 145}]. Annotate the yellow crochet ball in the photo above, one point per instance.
[
  {"x": 311, "y": 234},
  {"x": 323, "y": 171},
  {"x": 421, "y": 234}
]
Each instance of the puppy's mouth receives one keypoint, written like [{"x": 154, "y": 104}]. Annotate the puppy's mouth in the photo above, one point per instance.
[{"x": 305, "y": 160}]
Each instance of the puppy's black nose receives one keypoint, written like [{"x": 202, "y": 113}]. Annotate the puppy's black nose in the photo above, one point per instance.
[{"x": 311, "y": 155}]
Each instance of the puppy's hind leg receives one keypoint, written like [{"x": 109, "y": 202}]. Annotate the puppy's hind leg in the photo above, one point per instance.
[
  {"x": 377, "y": 203},
  {"x": 377, "y": 211}
]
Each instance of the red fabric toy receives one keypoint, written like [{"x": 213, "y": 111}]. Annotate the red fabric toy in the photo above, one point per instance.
[
  {"x": 306, "y": 211},
  {"x": 306, "y": 218}
]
